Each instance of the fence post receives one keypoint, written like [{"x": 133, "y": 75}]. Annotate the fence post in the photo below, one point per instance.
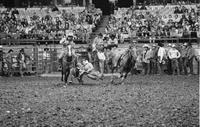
[
  {"x": 35, "y": 50},
  {"x": 54, "y": 59}
]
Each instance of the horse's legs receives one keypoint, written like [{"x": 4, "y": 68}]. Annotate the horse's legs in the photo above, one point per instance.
[
  {"x": 62, "y": 75},
  {"x": 67, "y": 72},
  {"x": 112, "y": 76},
  {"x": 70, "y": 76},
  {"x": 123, "y": 77}
]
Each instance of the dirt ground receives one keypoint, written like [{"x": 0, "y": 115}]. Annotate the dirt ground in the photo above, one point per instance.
[{"x": 143, "y": 101}]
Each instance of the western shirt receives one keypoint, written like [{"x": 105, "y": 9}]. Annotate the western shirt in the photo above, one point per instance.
[{"x": 174, "y": 54}]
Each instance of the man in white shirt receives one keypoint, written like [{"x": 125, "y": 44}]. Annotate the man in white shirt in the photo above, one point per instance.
[
  {"x": 161, "y": 58},
  {"x": 174, "y": 54}
]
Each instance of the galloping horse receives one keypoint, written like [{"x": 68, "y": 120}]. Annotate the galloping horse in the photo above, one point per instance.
[
  {"x": 123, "y": 64},
  {"x": 68, "y": 61}
]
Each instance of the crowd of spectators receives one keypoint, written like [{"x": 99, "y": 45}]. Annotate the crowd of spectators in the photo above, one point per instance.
[
  {"x": 48, "y": 23},
  {"x": 155, "y": 22}
]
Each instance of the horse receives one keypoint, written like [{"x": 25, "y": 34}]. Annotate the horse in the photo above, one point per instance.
[
  {"x": 123, "y": 64},
  {"x": 68, "y": 61}
]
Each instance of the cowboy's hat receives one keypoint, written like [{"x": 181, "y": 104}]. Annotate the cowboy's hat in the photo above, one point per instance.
[
  {"x": 146, "y": 46},
  {"x": 185, "y": 44},
  {"x": 173, "y": 46},
  {"x": 169, "y": 45},
  {"x": 154, "y": 45}
]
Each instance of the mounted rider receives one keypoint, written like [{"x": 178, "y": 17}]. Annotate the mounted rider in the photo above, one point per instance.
[{"x": 68, "y": 46}]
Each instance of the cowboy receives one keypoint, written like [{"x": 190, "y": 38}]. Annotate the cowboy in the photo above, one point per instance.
[
  {"x": 162, "y": 56},
  {"x": 102, "y": 58},
  {"x": 153, "y": 60},
  {"x": 108, "y": 60},
  {"x": 184, "y": 58},
  {"x": 1, "y": 60},
  {"x": 88, "y": 69},
  {"x": 113, "y": 42},
  {"x": 174, "y": 54},
  {"x": 146, "y": 56},
  {"x": 68, "y": 46},
  {"x": 22, "y": 61},
  {"x": 168, "y": 61},
  {"x": 9, "y": 62},
  {"x": 46, "y": 60},
  {"x": 188, "y": 55}
]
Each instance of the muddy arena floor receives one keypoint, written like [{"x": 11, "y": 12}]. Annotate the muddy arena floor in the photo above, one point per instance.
[{"x": 143, "y": 101}]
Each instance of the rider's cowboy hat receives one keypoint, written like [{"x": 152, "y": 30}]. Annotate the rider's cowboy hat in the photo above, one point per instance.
[
  {"x": 173, "y": 46},
  {"x": 146, "y": 46},
  {"x": 154, "y": 45},
  {"x": 185, "y": 44},
  {"x": 169, "y": 45},
  {"x": 70, "y": 35}
]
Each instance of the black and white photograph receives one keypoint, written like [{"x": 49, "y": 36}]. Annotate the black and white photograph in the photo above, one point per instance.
[{"x": 99, "y": 63}]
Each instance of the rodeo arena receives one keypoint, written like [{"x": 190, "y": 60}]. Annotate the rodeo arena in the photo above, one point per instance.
[{"x": 99, "y": 63}]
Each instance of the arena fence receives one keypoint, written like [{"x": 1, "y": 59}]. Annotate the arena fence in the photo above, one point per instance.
[
  {"x": 44, "y": 56},
  {"x": 129, "y": 40}
]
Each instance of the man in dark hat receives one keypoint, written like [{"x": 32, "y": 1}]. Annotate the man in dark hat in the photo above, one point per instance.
[
  {"x": 190, "y": 56},
  {"x": 9, "y": 62}
]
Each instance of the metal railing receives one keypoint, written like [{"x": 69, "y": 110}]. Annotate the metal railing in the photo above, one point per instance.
[{"x": 44, "y": 57}]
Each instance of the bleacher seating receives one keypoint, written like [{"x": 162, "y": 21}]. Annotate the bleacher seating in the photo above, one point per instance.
[
  {"x": 155, "y": 22},
  {"x": 74, "y": 16}
]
